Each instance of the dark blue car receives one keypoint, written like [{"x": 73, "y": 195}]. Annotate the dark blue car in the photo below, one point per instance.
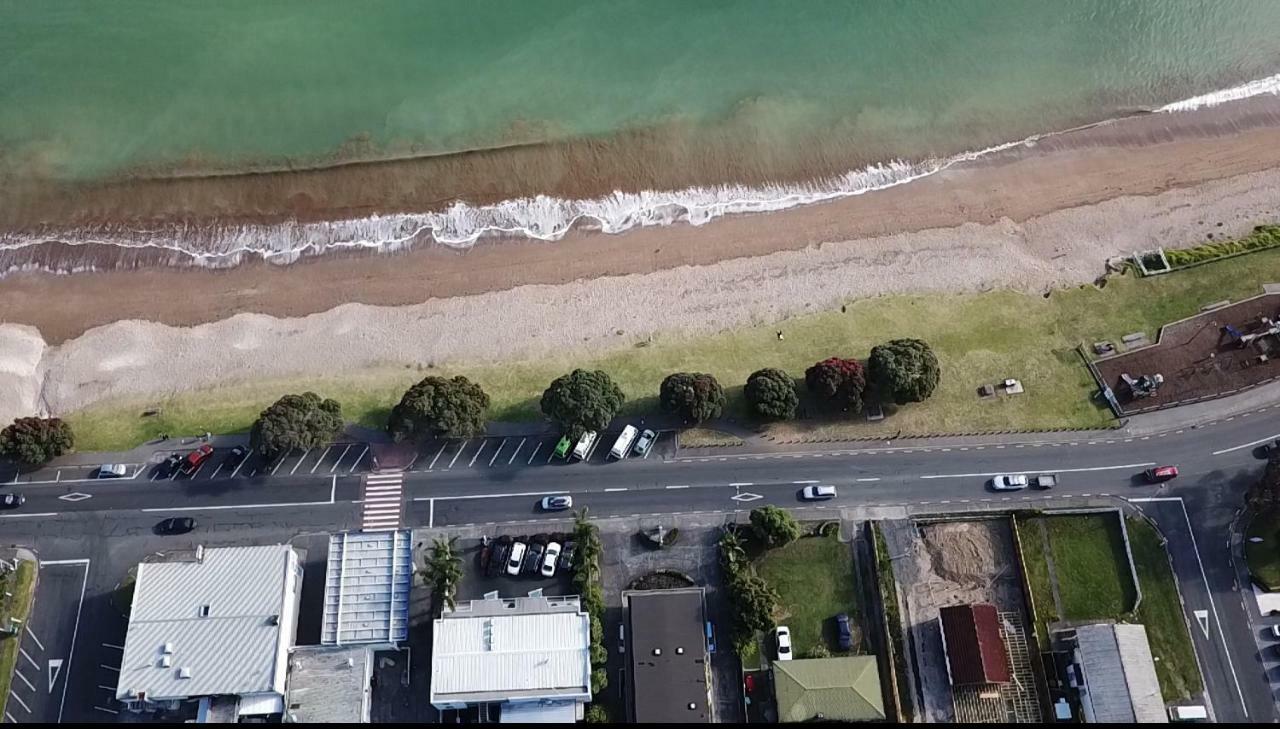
[{"x": 843, "y": 634}]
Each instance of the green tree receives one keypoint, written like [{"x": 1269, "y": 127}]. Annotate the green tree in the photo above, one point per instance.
[
  {"x": 838, "y": 381},
  {"x": 599, "y": 680},
  {"x": 296, "y": 421},
  {"x": 733, "y": 556},
  {"x": 597, "y": 714},
  {"x": 582, "y": 400},
  {"x": 693, "y": 396},
  {"x": 455, "y": 408},
  {"x": 36, "y": 441},
  {"x": 444, "y": 570},
  {"x": 754, "y": 603},
  {"x": 904, "y": 370},
  {"x": 772, "y": 394},
  {"x": 775, "y": 527}
]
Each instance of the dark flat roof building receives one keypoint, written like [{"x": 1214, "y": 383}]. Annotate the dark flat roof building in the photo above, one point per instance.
[
  {"x": 973, "y": 644},
  {"x": 670, "y": 674}
]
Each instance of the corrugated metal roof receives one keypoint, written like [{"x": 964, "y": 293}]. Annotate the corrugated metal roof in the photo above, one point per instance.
[
  {"x": 837, "y": 689},
  {"x": 486, "y": 657},
  {"x": 366, "y": 589},
  {"x": 974, "y": 646},
  {"x": 217, "y": 613},
  {"x": 1119, "y": 674}
]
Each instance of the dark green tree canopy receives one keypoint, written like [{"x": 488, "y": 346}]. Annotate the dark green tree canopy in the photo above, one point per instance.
[
  {"x": 904, "y": 370},
  {"x": 455, "y": 408},
  {"x": 693, "y": 396},
  {"x": 582, "y": 400},
  {"x": 772, "y": 393},
  {"x": 838, "y": 381},
  {"x": 36, "y": 441},
  {"x": 296, "y": 421},
  {"x": 775, "y": 527}
]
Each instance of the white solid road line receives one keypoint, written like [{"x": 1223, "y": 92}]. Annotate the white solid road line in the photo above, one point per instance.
[
  {"x": 339, "y": 461},
  {"x": 27, "y": 516},
  {"x": 513, "y": 455},
  {"x": 1247, "y": 445},
  {"x": 71, "y": 652},
  {"x": 1044, "y": 470},
  {"x": 622, "y": 488},
  {"x": 358, "y": 459},
  {"x": 224, "y": 507},
  {"x": 33, "y": 637},
  {"x": 479, "y": 450},
  {"x": 867, "y": 480},
  {"x": 431, "y": 519},
  {"x": 501, "y": 445},
  {"x": 487, "y": 496},
  {"x": 742, "y": 483},
  {"x": 461, "y": 448},
  {"x": 299, "y": 463},
  {"x": 536, "y": 448},
  {"x": 804, "y": 482},
  {"x": 321, "y": 459},
  {"x": 677, "y": 487},
  {"x": 433, "y": 460}
]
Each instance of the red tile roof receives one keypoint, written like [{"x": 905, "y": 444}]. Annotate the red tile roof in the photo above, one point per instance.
[{"x": 974, "y": 646}]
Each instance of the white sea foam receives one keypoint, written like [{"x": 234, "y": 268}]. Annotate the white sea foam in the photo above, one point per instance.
[{"x": 538, "y": 218}]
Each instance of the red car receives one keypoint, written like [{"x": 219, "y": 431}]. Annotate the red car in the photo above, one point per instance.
[
  {"x": 195, "y": 459},
  {"x": 1161, "y": 474}
]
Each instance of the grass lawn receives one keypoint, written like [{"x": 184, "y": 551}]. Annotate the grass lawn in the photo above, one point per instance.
[
  {"x": 815, "y": 580},
  {"x": 1094, "y": 583},
  {"x": 19, "y": 584},
  {"x": 979, "y": 338},
  {"x": 1264, "y": 557}
]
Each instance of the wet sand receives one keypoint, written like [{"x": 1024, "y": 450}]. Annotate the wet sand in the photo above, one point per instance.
[{"x": 1141, "y": 156}]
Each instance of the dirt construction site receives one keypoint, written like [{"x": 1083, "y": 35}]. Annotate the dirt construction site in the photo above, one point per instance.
[{"x": 942, "y": 563}]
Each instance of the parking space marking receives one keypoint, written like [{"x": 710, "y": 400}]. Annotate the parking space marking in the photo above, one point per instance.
[
  {"x": 279, "y": 463},
  {"x": 550, "y": 455},
  {"x": 483, "y": 443},
  {"x": 109, "y": 711},
  {"x": 18, "y": 673},
  {"x": 495, "y": 453},
  {"x": 18, "y": 698},
  {"x": 358, "y": 459},
  {"x": 433, "y": 460},
  {"x": 33, "y": 636},
  {"x": 513, "y": 455},
  {"x": 300, "y": 460},
  {"x": 535, "y": 452},
  {"x": 339, "y": 461},
  {"x": 461, "y": 448},
  {"x": 215, "y": 472},
  {"x": 29, "y": 659},
  {"x": 321, "y": 459},
  {"x": 240, "y": 465},
  {"x": 10, "y": 717},
  {"x": 117, "y": 647}
]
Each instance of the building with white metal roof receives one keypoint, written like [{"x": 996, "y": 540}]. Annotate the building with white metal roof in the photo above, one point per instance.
[
  {"x": 1118, "y": 683},
  {"x": 368, "y": 577},
  {"x": 218, "y": 624},
  {"x": 528, "y": 656}
]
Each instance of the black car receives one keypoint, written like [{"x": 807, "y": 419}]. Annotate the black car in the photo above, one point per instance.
[
  {"x": 498, "y": 557},
  {"x": 566, "y": 555},
  {"x": 176, "y": 525},
  {"x": 169, "y": 466},
  {"x": 236, "y": 455},
  {"x": 12, "y": 501},
  {"x": 844, "y": 635},
  {"x": 533, "y": 559}
]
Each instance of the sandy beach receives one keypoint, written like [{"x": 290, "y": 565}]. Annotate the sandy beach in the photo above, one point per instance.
[{"x": 1029, "y": 221}]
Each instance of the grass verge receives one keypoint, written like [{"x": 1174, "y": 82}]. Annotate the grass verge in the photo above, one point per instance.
[
  {"x": 979, "y": 338},
  {"x": 700, "y": 437},
  {"x": 1264, "y": 557},
  {"x": 815, "y": 580},
  {"x": 893, "y": 620},
  {"x": 16, "y": 590},
  {"x": 1161, "y": 612}
]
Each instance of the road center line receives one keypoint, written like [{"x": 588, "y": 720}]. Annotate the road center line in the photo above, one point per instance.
[
  {"x": 803, "y": 482},
  {"x": 1044, "y": 470},
  {"x": 607, "y": 491},
  {"x": 678, "y": 487},
  {"x": 1247, "y": 445},
  {"x": 866, "y": 480},
  {"x": 744, "y": 483},
  {"x": 487, "y": 496}
]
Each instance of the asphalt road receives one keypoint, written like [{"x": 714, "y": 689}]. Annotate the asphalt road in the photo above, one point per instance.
[{"x": 109, "y": 522}]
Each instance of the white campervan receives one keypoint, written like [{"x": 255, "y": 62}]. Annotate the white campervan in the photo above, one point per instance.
[
  {"x": 583, "y": 449},
  {"x": 622, "y": 445}
]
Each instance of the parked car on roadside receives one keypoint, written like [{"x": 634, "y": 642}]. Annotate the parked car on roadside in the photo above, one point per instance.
[
  {"x": 1160, "y": 474},
  {"x": 844, "y": 634},
  {"x": 644, "y": 442},
  {"x": 818, "y": 493},
  {"x": 498, "y": 557},
  {"x": 169, "y": 466},
  {"x": 176, "y": 525},
  {"x": 566, "y": 556},
  {"x": 1275, "y": 632},
  {"x": 563, "y": 446},
  {"x": 1011, "y": 482},
  {"x": 12, "y": 501},
  {"x": 782, "y": 640},
  {"x": 549, "y": 559},
  {"x": 113, "y": 470},
  {"x": 236, "y": 456},
  {"x": 195, "y": 459},
  {"x": 556, "y": 503},
  {"x": 515, "y": 558},
  {"x": 533, "y": 558}
]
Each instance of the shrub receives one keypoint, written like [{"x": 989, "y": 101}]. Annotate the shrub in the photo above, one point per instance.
[
  {"x": 775, "y": 527},
  {"x": 36, "y": 441},
  {"x": 1262, "y": 237},
  {"x": 296, "y": 421},
  {"x": 599, "y": 680},
  {"x": 693, "y": 396},
  {"x": 904, "y": 370},
  {"x": 455, "y": 408},
  {"x": 838, "y": 381},
  {"x": 817, "y": 651},
  {"x": 582, "y": 400},
  {"x": 597, "y": 714},
  {"x": 772, "y": 394}
]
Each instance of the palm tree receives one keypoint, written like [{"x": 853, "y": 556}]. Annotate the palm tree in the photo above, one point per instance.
[
  {"x": 731, "y": 549},
  {"x": 444, "y": 570}
]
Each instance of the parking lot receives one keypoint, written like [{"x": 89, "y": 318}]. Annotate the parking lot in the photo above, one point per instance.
[
  {"x": 520, "y": 452},
  {"x": 39, "y": 688}
]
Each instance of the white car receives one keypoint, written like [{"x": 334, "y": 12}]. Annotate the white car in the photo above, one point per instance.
[
  {"x": 549, "y": 559},
  {"x": 644, "y": 442},
  {"x": 1275, "y": 631},
  {"x": 516, "y": 559},
  {"x": 113, "y": 470},
  {"x": 782, "y": 639},
  {"x": 818, "y": 493},
  {"x": 1011, "y": 482}
]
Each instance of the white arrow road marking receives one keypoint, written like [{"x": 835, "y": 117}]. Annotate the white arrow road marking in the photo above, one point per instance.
[
  {"x": 1202, "y": 617},
  {"x": 55, "y": 667}
]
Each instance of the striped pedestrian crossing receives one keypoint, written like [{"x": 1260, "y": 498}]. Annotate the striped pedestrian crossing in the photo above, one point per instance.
[{"x": 383, "y": 501}]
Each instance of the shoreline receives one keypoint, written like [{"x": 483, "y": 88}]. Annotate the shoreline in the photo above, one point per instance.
[{"x": 1138, "y": 156}]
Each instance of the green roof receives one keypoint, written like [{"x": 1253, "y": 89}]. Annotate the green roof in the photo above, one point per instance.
[{"x": 840, "y": 689}]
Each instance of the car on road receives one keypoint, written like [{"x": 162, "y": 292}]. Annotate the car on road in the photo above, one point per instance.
[
  {"x": 1271, "y": 448},
  {"x": 1009, "y": 482},
  {"x": 818, "y": 493},
  {"x": 113, "y": 470},
  {"x": 549, "y": 559},
  {"x": 176, "y": 525},
  {"x": 644, "y": 442},
  {"x": 556, "y": 503},
  {"x": 533, "y": 558},
  {"x": 782, "y": 641},
  {"x": 562, "y": 447},
  {"x": 515, "y": 558},
  {"x": 169, "y": 466},
  {"x": 844, "y": 634},
  {"x": 195, "y": 459},
  {"x": 12, "y": 501},
  {"x": 1160, "y": 474},
  {"x": 236, "y": 456}
]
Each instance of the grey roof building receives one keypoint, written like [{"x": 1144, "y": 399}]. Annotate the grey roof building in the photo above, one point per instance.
[
  {"x": 329, "y": 685},
  {"x": 219, "y": 624},
  {"x": 1118, "y": 682},
  {"x": 670, "y": 671},
  {"x": 368, "y": 577}
]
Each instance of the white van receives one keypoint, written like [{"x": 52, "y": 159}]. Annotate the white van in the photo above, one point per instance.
[
  {"x": 623, "y": 444},
  {"x": 583, "y": 449},
  {"x": 1188, "y": 713}
]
